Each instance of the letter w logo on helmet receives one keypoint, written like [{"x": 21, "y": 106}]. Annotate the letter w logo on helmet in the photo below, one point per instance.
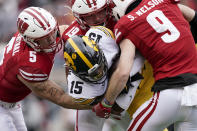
[
  {"x": 22, "y": 26},
  {"x": 87, "y": 2},
  {"x": 90, "y": 2}
]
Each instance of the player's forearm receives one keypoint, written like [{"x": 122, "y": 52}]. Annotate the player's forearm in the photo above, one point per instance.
[
  {"x": 69, "y": 102},
  {"x": 52, "y": 92},
  {"x": 116, "y": 85},
  {"x": 120, "y": 76}
]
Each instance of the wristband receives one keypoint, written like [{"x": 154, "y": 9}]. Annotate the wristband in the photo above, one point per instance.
[{"x": 106, "y": 103}]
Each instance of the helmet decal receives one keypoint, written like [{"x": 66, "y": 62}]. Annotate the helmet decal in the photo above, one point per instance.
[
  {"x": 70, "y": 61},
  {"x": 22, "y": 26},
  {"x": 38, "y": 19},
  {"x": 90, "y": 3},
  {"x": 74, "y": 56},
  {"x": 83, "y": 57},
  {"x": 72, "y": 2},
  {"x": 47, "y": 22}
]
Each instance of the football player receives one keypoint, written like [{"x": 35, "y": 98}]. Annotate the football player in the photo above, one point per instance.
[
  {"x": 88, "y": 80},
  {"x": 103, "y": 9},
  {"x": 165, "y": 42},
  {"x": 88, "y": 14},
  {"x": 26, "y": 65}
]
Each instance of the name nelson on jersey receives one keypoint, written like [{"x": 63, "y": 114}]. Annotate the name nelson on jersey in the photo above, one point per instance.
[{"x": 150, "y": 5}]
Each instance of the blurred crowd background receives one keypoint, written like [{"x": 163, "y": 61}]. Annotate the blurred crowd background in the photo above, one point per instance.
[{"x": 41, "y": 115}]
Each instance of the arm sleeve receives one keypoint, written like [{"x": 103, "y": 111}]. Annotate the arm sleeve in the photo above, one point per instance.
[
  {"x": 122, "y": 32},
  {"x": 32, "y": 74}
]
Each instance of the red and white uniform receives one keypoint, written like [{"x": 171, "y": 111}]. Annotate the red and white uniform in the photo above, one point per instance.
[
  {"x": 76, "y": 29},
  {"x": 159, "y": 31},
  {"x": 73, "y": 29},
  {"x": 85, "y": 91},
  {"x": 83, "y": 116},
  {"x": 20, "y": 59}
]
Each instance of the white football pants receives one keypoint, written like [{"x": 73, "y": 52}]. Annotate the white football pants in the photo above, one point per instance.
[
  {"x": 178, "y": 106},
  {"x": 86, "y": 120},
  {"x": 12, "y": 119}
]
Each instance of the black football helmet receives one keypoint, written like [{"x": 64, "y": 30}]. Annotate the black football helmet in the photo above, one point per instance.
[{"x": 85, "y": 59}]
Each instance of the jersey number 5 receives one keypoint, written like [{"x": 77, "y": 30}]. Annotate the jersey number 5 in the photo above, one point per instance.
[
  {"x": 32, "y": 56},
  {"x": 160, "y": 24}
]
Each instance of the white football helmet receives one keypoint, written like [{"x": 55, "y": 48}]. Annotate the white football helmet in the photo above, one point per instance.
[
  {"x": 39, "y": 29},
  {"x": 120, "y": 7},
  {"x": 91, "y": 12}
]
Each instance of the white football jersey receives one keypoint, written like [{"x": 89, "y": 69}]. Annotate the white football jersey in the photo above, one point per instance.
[
  {"x": 82, "y": 90},
  {"x": 105, "y": 39}
]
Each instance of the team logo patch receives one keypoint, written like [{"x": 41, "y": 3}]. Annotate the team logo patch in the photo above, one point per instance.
[
  {"x": 69, "y": 61},
  {"x": 90, "y": 3},
  {"x": 74, "y": 56},
  {"x": 22, "y": 26}
]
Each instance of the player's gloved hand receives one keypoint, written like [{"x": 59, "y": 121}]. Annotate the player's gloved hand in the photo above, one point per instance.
[
  {"x": 116, "y": 112},
  {"x": 102, "y": 109}
]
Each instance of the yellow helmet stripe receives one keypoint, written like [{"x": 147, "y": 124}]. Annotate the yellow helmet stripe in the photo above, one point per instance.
[
  {"x": 87, "y": 41},
  {"x": 83, "y": 57},
  {"x": 107, "y": 31}
]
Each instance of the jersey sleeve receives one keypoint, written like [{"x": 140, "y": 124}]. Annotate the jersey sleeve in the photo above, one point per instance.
[
  {"x": 73, "y": 29},
  {"x": 32, "y": 74},
  {"x": 121, "y": 32},
  {"x": 35, "y": 66}
]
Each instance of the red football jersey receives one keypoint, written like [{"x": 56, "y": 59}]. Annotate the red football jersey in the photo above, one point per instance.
[
  {"x": 162, "y": 35},
  {"x": 73, "y": 29},
  {"x": 20, "y": 59},
  {"x": 76, "y": 29}
]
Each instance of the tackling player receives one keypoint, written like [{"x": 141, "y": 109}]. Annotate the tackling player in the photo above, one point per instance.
[
  {"x": 87, "y": 15},
  {"x": 165, "y": 42},
  {"x": 88, "y": 80},
  {"x": 26, "y": 65}
]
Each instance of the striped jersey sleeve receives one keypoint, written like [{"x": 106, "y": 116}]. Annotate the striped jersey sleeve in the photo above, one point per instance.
[{"x": 32, "y": 74}]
